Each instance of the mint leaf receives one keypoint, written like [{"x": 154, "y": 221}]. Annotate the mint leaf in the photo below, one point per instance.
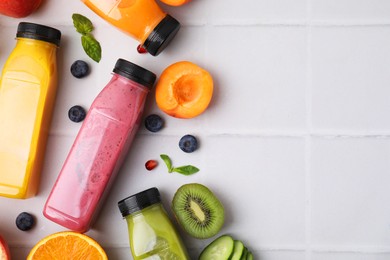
[
  {"x": 82, "y": 24},
  {"x": 91, "y": 47},
  {"x": 167, "y": 161},
  {"x": 186, "y": 170}
]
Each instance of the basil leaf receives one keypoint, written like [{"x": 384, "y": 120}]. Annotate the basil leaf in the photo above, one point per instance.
[
  {"x": 186, "y": 170},
  {"x": 167, "y": 161},
  {"x": 91, "y": 47},
  {"x": 82, "y": 24}
]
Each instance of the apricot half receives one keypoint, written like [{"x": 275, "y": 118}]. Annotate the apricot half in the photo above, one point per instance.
[
  {"x": 184, "y": 90},
  {"x": 175, "y": 2}
]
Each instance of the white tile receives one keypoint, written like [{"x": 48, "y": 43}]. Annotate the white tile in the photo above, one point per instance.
[
  {"x": 217, "y": 12},
  {"x": 349, "y": 191},
  {"x": 248, "y": 11},
  {"x": 192, "y": 13},
  {"x": 350, "y": 256},
  {"x": 279, "y": 255},
  {"x": 264, "y": 177},
  {"x": 347, "y": 11},
  {"x": 350, "y": 78},
  {"x": 260, "y": 78},
  {"x": 6, "y": 46}
]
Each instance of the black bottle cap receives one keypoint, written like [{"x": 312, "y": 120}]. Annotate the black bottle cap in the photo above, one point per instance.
[
  {"x": 161, "y": 35},
  {"x": 139, "y": 201},
  {"x": 39, "y": 32},
  {"x": 134, "y": 72}
]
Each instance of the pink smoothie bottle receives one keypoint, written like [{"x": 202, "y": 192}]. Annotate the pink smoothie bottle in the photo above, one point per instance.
[{"x": 100, "y": 148}]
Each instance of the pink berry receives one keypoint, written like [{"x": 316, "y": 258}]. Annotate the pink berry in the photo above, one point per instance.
[
  {"x": 141, "y": 49},
  {"x": 151, "y": 164}
]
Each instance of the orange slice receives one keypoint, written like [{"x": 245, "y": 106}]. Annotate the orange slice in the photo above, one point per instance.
[{"x": 67, "y": 245}]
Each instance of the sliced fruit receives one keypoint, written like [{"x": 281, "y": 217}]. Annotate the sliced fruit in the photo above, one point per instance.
[
  {"x": 4, "y": 250},
  {"x": 238, "y": 250},
  {"x": 67, "y": 245},
  {"x": 184, "y": 90},
  {"x": 175, "y": 2},
  {"x": 220, "y": 249},
  {"x": 198, "y": 210},
  {"x": 244, "y": 254},
  {"x": 249, "y": 256}
]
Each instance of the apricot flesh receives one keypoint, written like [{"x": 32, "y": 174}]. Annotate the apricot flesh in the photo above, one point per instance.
[{"x": 184, "y": 90}]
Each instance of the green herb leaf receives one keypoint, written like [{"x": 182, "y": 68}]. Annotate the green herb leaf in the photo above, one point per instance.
[
  {"x": 91, "y": 47},
  {"x": 82, "y": 24},
  {"x": 186, "y": 170},
  {"x": 167, "y": 161}
]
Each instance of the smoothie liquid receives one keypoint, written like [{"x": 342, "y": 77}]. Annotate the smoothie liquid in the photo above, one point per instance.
[
  {"x": 99, "y": 148},
  {"x": 151, "y": 233},
  {"x": 27, "y": 93}
]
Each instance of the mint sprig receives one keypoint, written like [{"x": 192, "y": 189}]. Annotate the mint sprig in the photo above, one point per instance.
[
  {"x": 185, "y": 170},
  {"x": 90, "y": 45}
]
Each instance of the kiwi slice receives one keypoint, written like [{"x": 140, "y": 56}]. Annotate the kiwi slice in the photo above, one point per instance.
[{"x": 198, "y": 211}]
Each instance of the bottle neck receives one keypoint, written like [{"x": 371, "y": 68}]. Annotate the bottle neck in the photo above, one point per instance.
[
  {"x": 35, "y": 45},
  {"x": 125, "y": 80},
  {"x": 152, "y": 209}
]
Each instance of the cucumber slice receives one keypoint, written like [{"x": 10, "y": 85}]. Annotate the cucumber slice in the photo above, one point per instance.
[
  {"x": 220, "y": 249},
  {"x": 244, "y": 254},
  {"x": 249, "y": 256},
  {"x": 238, "y": 250}
]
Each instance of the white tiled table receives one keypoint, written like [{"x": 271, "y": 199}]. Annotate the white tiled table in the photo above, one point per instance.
[{"x": 296, "y": 142}]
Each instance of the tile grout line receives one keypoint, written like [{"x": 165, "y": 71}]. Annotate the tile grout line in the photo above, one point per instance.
[
  {"x": 257, "y": 134},
  {"x": 309, "y": 125},
  {"x": 254, "y": 23}
]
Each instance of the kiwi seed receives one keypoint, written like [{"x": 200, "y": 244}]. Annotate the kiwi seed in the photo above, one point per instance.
[{"x": 198, "y": 211}]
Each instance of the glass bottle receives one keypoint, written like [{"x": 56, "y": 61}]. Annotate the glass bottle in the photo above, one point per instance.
[
  {"x": 28, "y": 87},
  {"x": 100, "y": 148},
  {"x": 151, "y": 233},
  {"x": 144, "y": 20}
]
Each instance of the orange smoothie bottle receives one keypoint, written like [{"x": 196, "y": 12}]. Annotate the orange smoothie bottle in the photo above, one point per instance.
[
  {"x": 142, "y": 19},
  {"x": 27, "y": 94}
]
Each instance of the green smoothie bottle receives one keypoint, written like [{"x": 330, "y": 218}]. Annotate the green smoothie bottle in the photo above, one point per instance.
[{"x": 152, "y": 235}]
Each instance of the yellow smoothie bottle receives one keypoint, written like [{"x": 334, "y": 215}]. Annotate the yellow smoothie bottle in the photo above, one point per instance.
[{"x": 27, "y": 93}]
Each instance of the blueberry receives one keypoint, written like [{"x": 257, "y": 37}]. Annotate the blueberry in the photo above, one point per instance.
[
  {"x": 188, "y": 143},
  {"x": 76, "y": 114},
  {"x": 25, "y": 221},
  {"x": 154, "y": 123},
  {"x": 79, "y": 69}
]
